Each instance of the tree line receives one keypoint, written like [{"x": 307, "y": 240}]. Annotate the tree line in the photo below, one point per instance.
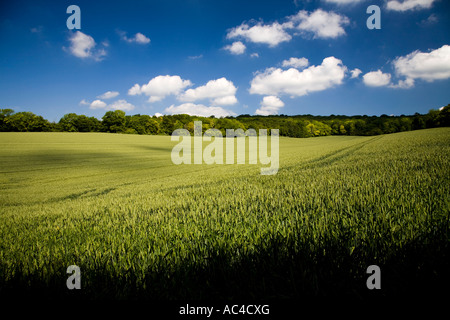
[{"x": 299, "y": 126}]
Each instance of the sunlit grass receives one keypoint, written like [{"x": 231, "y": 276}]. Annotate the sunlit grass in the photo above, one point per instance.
[{"x": 139, "y": 226}]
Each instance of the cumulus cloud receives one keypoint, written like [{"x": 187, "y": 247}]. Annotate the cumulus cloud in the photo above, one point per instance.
[
  {"x": 236, "y": 47},
  {"x": 355, "y": 73},
  {"x": 121, "y": 105},
  {"x": 270, "y": 34},
  {"x": 404, "y": 5},
  {"x": 404, "y": 84},
  {"x": 298, "y": 63},
  {"x": 220, "y": 92},
  {"x": 135, "y": 90},
  {"x": 97, "y": 104},
  {"x": 84, "y": 46},
  {"x": 198, "y": 110},
  {"x": 269, "y": 105},
  {"x": 116, "y": 105},
  {"x": 275, "y": 81},
  {"x": 108, "y": 95},
  {"x": 321, "y": 24},
  {"x": 428, "y": 66},
  {"x": 377, "y": 79},
  {"x": 138, "y": 38},
  {"x": 160, "y": 87}
]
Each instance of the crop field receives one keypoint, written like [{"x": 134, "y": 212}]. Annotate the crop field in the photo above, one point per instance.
[{"x": 141, "y": 227}]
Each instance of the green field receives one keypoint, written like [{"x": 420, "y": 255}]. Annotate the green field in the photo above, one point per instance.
[{"x": 139, "y": 226}]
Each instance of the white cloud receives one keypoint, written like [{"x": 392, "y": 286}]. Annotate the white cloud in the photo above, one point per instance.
[
  {"x": 236, "y": 47},
  {"x": 108, "y": 95},
  {"x": 116, "y": 105},
  {"x": 408, "y": 4},
  {"x": 377, "y": 79},
  {"x": 274, "y": 81},
  {"x": 198, "y": 110},
  {"x": 272, "y": 34},
  {"x": 269, "y": 105},
  {"x": 404, "y": 84},
  {"x": 135, "y": 90},
  {"x": 428, "y": 66},
  {"x": 120, "y": 105},
  {"x": 298, "y": 63},
  {"x": 220, "y": 92},
  {"x": 225, "y": 101},
  {"x": 160, "y": 87},
  {"x": 254, "y": 55},
  {"x": 83, "y": 46},
  {"x": 355, "y": 73},
  {"x": 97, "y": 104},
  {"x": 195, "y": 57},
  {"x": 320, "y": 23},
  {"x": 138, "y": 38}
]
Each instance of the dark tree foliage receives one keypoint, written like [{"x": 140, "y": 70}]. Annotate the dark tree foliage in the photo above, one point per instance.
[
  {"x": 298, "y": 126},
  {"x": 114, "y": 121}
]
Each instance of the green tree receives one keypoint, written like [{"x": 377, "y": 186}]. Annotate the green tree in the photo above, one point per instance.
[
  {"x": 87, "y": 124},
  {"x": 137, "y": 123},
  {"x": 432, "y": 118},
  {"x": 27, "y": 122},
  {"x": 444, "y": 116},
  {"x": 4, "y": 115},
  {"x": 68, "y": 122},
  {"x": 114, "y": 121},
  {"x": 418, "y": 122},
  {"x": 152, "y": 126},
  {"x": 167, "y": 125}
]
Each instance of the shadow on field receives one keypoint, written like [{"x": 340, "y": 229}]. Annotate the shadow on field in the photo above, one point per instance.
[
  {"x": 153, "y": 148},
  {"x": 281, "y": 270},
  {"x": 70, "y": 157},
  {"x": 85, "y": 194}
]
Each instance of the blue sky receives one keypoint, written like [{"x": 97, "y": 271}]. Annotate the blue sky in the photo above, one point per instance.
[{"x": 225, "y": 57}]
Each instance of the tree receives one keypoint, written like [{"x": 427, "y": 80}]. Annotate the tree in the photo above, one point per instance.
[
  {"x": 27, "y": 122},
  {"x": 68, "y": 122},
  {"x": 137, "y": 123},
  {"x": 114, "y": 121},
  {"x": 418, "y": 123},
  {"x": 444, "y": 116},
  {"x": 405, "y": 124},
  {"x": 72, "y": 122},
  {"x": 4, "y": 115},
  {"x": 167, "y": 125},
  {"x": 152, "y": 126},
  {"x": 87, "y": 124},
  {"x": 349, "y": 127},
  {"x": 432, "y": 118}
]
